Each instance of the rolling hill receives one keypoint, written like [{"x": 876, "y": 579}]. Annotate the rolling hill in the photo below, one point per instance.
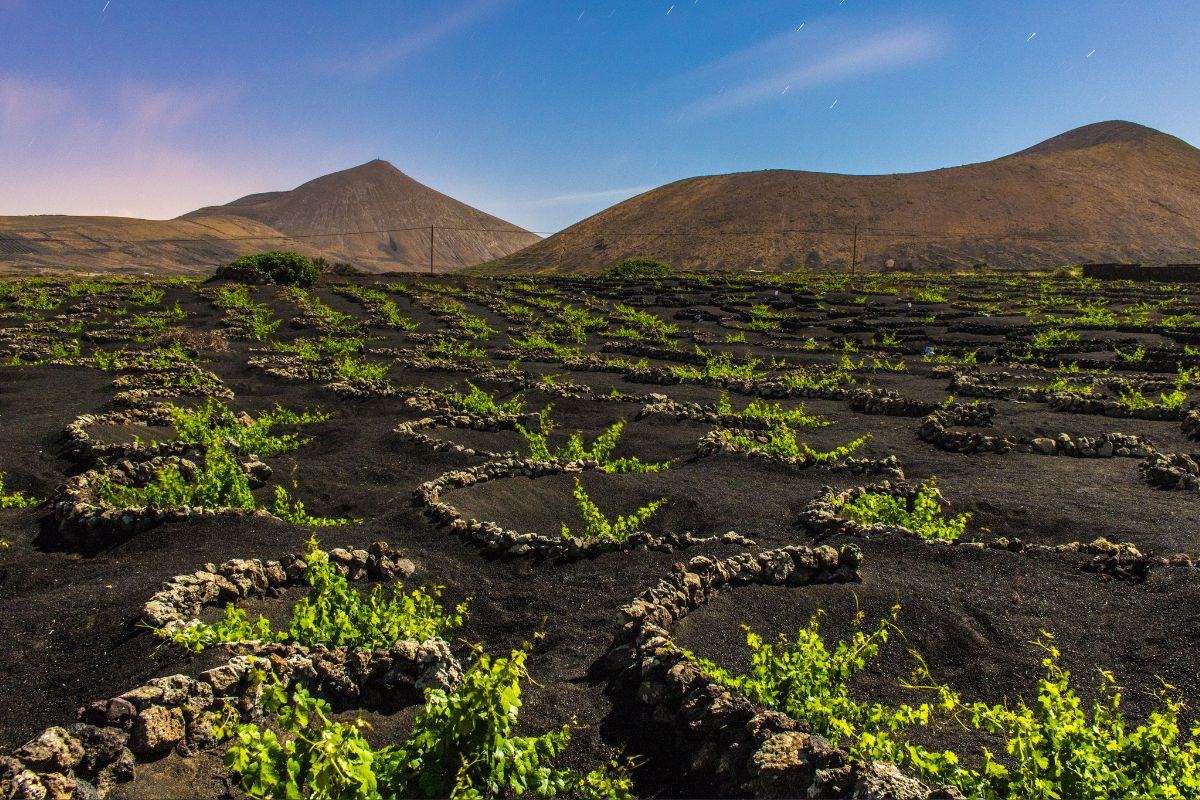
[
  {"x": 1111, "y": 191},
  {"x": 353, "y": 204}
]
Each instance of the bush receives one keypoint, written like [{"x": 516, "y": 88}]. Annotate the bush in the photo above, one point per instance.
[
  {"x": 286, "y": 268},
  {"x": 638, "y": 268}
]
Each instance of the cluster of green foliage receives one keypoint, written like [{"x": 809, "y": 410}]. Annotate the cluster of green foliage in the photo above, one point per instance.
[
  {"x": 335, "y": 615},
  {"x": 149, "y": 324},
  {"x": 536, "y": 342},
  {"x": 806, "y": 680},
  {"x": 887, "y": 339},
  {"x": 215, "y": 422},
  {"x": 258, "y": 318},
  {"x": 643, "y": 325},
  {"x": 601, "y": 449},
  {"x": 638, "y": 269},
  {"x": 771, "y": 413},
  {"x": 325, "y": 317},
  {"x": 718, "y": 366},
  {"x": 1135, "y": 400},
  {"x": 782, "y": 442},
  {"x": 160, "y": 358},
  {"x": 480, "y": 402},
  {"x": 802, "y": 380},
  {"x": 351, "y": 368},
  {"x": 1053, "y": 747},
  {"x": 466, "y": 323},
  {"x": 762, "y": 318},
  {"x": 598, "y": 526},
  {"x": 462, "y": 746},
  {"x": 15, "y": 499},
  {"x": 146, "y": 294},
  {"x": 928, "y": 294},
  {"x": 922, "y": 514},
  {"x": 383, "y": 308},
  {"x": 285, "y": 268},
  {"x": 1133, "y": 356},
  {"x": 320, "y": 349},
  {"x": 34, "y": 296},
  {"x": 450, "y": 351},
  {"x": 218, "y": 482},
  {"x": 572, "y": 324}
]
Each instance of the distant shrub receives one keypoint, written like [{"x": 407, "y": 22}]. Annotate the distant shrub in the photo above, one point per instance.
[
  {"x": 286, "y": 268},
  {"x": 638, "y": 268}
]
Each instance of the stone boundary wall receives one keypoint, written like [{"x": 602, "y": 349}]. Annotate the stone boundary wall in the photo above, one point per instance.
[
  {"x": 496, "y": 539},
  {"x": 738, "y": 744}
]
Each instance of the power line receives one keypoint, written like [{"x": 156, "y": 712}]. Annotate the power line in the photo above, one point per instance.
[{"x": 34, "y": 238}]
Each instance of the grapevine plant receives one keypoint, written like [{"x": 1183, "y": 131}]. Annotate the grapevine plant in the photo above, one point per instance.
[
  {"x": 15, "y": 499},
  {"x": 478, "y": 401},
  {"x": 771, "y": 413},
  {"x": 462, "y": 746},
  {"x": 1053, "y": 748},
  {"x": 598, "y": 526},
  {"x": 218, "y": 481},
  {"x": 601, "y": 449},
  {"x": 335, "y": 615},
  {"x": 781, "y": 442},
  {"x": 214, "y": 422},
  {"x": 922, "y": 514}
]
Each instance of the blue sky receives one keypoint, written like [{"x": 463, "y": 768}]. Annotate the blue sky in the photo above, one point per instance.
[{"x": 546, "y": 111}]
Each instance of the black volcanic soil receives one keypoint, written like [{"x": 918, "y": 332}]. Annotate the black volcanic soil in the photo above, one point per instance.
[{"x": 67, "y": 614}]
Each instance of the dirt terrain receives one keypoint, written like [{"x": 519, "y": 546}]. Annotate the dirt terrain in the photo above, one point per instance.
[{"x": 1049, "y": 369}]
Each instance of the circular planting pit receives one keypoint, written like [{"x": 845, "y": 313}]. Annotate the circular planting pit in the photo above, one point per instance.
[
  {"x": 970, "y": 613},
  {"x": 829, "y": 516},
  {"x": 176, "y": 716},
  {"x": 84, "y": 516},
  {"x": 511, "y": 481}
]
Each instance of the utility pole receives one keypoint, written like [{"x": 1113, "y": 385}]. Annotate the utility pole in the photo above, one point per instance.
[
  {"x": 854, "y": 251},
  {"x": 431, "y": 250}
]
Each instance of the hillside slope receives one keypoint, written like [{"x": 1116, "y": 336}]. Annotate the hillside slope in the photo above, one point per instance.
[
  {"x": 1111, "y": 191},
  {"x": 381, "y": 218},
  {"x": 52, "y": 242}
]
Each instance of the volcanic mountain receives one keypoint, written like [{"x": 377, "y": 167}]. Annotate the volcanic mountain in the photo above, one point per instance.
[
  {"x": 1111, "y": 191},
  {"x": 377, "y": 217},
  {"x": 372, "y": 216}
]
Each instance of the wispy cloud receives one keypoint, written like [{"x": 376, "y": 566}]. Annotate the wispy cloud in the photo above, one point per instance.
[
  {"x": 26, "y": 103},
  {"x": 149, "y": 109},
  {"x": 760, "y": 72},
  {"x": 383, "y": 57},
  {"x": 128, "y": 150}
]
